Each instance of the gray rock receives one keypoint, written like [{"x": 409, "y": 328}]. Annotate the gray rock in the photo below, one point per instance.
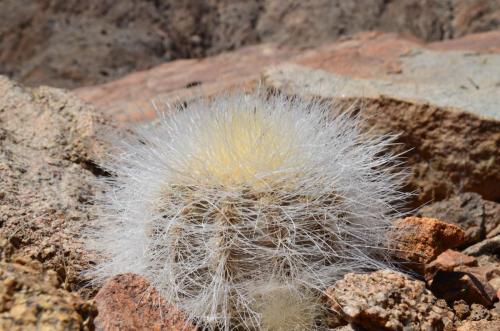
[
  {"x": 492, "y": 218},
  {"x": 486, "y": 247}
]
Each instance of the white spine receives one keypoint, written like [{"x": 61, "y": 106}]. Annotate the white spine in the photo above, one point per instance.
[{"x": 231, "y": 194}]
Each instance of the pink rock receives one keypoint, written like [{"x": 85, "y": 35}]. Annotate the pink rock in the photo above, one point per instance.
[{"x": 127, "y": 302}]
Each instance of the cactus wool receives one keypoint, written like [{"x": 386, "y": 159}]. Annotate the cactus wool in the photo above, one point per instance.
[{"x": 241, "y": 209}]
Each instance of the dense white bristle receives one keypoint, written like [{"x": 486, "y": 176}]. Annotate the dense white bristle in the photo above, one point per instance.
[{"x": 245, "y": 190}]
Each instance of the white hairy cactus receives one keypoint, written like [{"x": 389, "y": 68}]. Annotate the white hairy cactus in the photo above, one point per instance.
[{"x": 246, "y": 207}]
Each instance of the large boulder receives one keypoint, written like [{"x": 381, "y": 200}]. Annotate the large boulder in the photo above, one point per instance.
[
  {"x": 443, "y": 104},
  {"x": 441, "y": 97},
  {"x": 48, "y": 164},
  {"x": 137, "y": 97},
  {"x": 71, "y": 43}
]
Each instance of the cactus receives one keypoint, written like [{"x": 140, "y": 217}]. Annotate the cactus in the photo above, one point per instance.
[{"x": 248, "y": 205}]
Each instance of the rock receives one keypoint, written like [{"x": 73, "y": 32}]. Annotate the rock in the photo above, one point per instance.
[
  {"x": 31, "y": 298},
  {"x": 488, "y": 257},
  {"x": 461, "y": 309},
  {"x": 180, "y": 81},
  {"x": 478, "y": 313},
  {"x": 386, "y": 300},
  {"x": 449, "y": 260},
  {"x": 49, "y": 151},
  {"x": 479, "y": 42},
  {"x": 464, "y": 285},
  {"x": 127, "y": 302},
  {"x": 492, "y": 218},
  {"x": 371, "y": 65},
  {"x": 495, "y": 311},
  {"x": 421, "y": 240},
  {"x": 455, "y": 276},
  {"x": 70, "y": 44},
  {"x": 345, "y": 328},
  {"x": 448, "y": 124},
  {"x": 465, "y": 11},
  {"x": 467, "y": 210},
  {"x": 478, "y": 217},
  {"x": 486, "y": 274},
  {"x": 489, "y": 246},
  {"x": 480, "y": 326},
  {"x": 474, "y": 312}
]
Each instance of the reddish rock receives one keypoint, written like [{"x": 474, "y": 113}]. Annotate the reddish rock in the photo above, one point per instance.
[
  {"x": 479, "y": 42},
  {"x": 130, "y": 99},
  {"x": 463, "y": 285},
  {"x": 371, "y": 55},
  {"x": 127, "y": 302},
  {"x": 448, "y": 261},
  {"x": 455, "y": 276},
  {"x": 480, "y": 326},
  {"x": 487, "y": 274},
  {"x": 365, "y": 55},
  {"x": 421, "y": 240}
]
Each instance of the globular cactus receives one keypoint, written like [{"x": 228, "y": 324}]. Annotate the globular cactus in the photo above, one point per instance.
[{"x": 242, "y": 209}]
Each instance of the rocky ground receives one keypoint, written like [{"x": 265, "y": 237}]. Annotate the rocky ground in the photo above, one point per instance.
[
  {"x": 442, "y": 97},
  {"x": 70, "y": 43}
]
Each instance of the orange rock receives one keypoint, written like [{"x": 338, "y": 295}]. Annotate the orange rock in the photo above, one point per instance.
[
  {"x": 127, "y": 302},
  {"x": 421, "y": 240}
]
